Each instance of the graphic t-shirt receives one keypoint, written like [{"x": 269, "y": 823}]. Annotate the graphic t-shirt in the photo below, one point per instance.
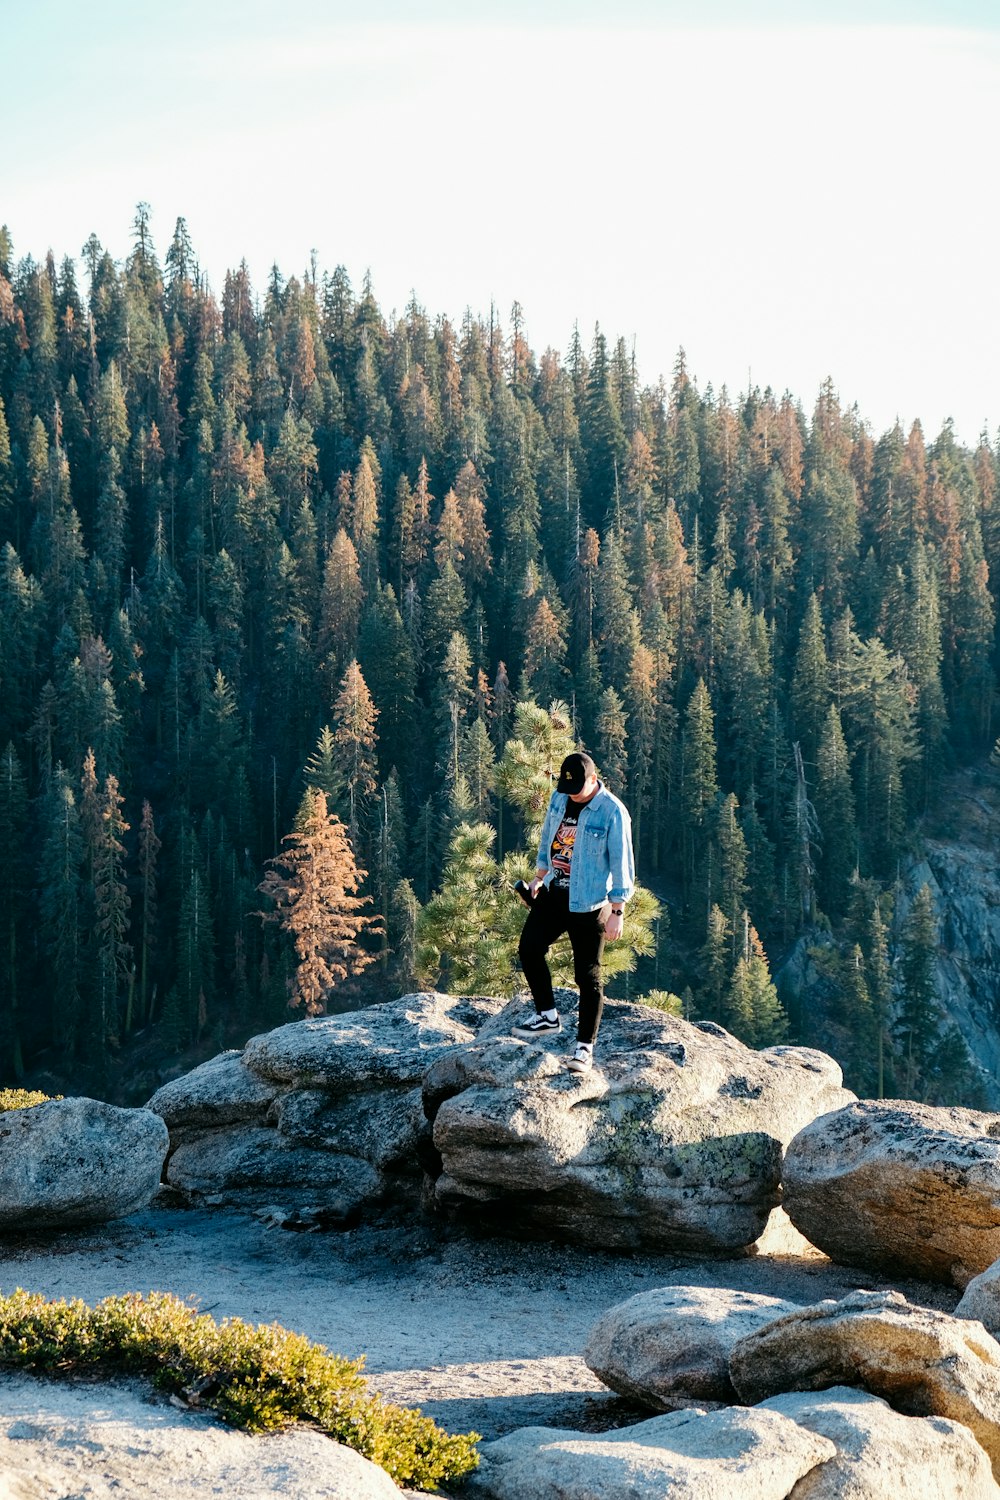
[{"x": 561, "y": 857}]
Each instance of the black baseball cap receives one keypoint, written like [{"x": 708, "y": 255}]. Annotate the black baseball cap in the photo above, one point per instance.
[{"x": 574, "y": 771}]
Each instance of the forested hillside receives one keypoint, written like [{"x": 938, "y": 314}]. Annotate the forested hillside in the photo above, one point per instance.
[{"x": 273, "y": 539}]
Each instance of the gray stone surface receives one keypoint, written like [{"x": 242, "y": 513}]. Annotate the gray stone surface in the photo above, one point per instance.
[
  {"x": 392, "y": 1043},
  {"x": 981, "y": 1299},
  {"x": 900, "y": 1187},
  {"x": 730, "y": 1454},
  {"x": 673, "y": 1140},
  {"x": 882, "y": 1455},
  {"x": 781, "y": 1237},
  {"x": 63, "y": 1441},
  {"x": 254, "y": 1165},
  {"x": 381, "y": 1127},
  {"x": 670, "y": 1348},
  {"x": 77, "y": 1161},
  {"x": 322, "y": 1114},
  {"x": 923, "y": 1362},
  {"x": 219, "y": 1092}
]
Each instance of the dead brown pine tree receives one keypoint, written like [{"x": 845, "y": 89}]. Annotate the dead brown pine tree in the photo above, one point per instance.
[{"x": 313, "y": 883}]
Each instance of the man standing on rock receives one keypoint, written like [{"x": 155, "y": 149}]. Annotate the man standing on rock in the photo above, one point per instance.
[{"x": 585, "y": 874}]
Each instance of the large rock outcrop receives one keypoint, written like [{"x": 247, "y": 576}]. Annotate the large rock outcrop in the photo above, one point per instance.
[
  {"x": 674, "y": 1140},
  {"x": 882, "y": 1455},
  {"x": 221, "y": 1091},
  {"x": 899, "y": 1187},
  {"x": 732, "y": 1454},
  {"x": 670, "y": 1348},
  {"x": 322, "y": 1114},
  {"x": 77, "y": 1161},
  {"x": 923, "y": 1362},
  {"x": 864, "y": 1450}
]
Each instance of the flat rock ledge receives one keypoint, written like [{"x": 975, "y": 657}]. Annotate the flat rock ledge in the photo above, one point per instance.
[
  {"x": 77, "y": 1161},
  {"x": 673, "y": 1141},
  {"x": 899, "y": 1187}
]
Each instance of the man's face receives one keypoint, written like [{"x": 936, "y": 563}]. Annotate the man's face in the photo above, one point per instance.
[{"x": 587, "y": 790}]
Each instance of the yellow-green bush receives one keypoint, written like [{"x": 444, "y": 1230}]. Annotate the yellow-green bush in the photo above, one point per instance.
[
  {"x": 22, "y": 1099},
  {"x": 663, "y": 1000},
  {"x": 259, "y": 1378}
]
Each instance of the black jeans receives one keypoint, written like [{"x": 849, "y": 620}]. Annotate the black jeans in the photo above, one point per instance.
[{"x": 548, "y": 919}]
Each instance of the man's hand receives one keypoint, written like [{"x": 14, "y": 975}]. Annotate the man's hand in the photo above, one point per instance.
[
  {"x": 613, "y": 926},
  {"x": 536, "y": 884}
]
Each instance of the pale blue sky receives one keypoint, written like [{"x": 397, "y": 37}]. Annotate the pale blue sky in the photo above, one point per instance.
[{"x": 782, "y": 193}]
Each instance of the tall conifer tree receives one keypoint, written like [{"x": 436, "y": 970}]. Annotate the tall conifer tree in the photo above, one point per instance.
[{"x": 313, "y": 885}]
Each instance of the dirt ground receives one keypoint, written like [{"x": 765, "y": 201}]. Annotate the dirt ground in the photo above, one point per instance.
[{"x": 481, "y": 1334}]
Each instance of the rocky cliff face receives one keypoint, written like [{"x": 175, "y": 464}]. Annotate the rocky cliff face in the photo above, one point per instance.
[
  {"x": 959, "y": 859},
  {"x": 961, "y": 864}
]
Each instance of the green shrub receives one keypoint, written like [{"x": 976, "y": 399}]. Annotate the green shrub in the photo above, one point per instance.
[
  {"x": 259, "y": 1378},
  {"x": 663, "y": 1000},
  {"x": 22, "y": 1099}
]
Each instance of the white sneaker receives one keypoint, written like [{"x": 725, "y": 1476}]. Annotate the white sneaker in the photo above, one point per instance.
[
  {"x": 539, "y": 1025},
  {"x": 582, "y": 1060}
]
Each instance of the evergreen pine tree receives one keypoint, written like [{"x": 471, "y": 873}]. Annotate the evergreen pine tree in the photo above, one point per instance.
[
  {"x": 699, "y": 788},
  {"x": 729, "y": 866},
  {"x": 385, "y": 656},
  {"x": 323, "y": 771},
  {"x": 454, "y": 696},
  {"x": 14, "y": 884},
  {"x": 60, "y": 910},
  {"x": 834, "y": 807},
  {"x": 918, "y": 1021},
  {"x": 402, "y": 919},
  {"x": 149, "y": 849},
  {"x": 390, "y": 848},
  {"x": 355, "y": 738},
  {"x": 195, "y": 981},
  {"x": 810, "y": 682},
  {"x": 527, "y": 770},
  {"x": 641, "y": 708},
  {"x": 365, "y": 516},
  {"x": 615, "y": 613},
  {"x": 339, "y": 611},
  {"x": 752, "y": 994},
  {"x": 545, "y": 676},
  {"x": 113, "y": 952},
  {"x": 444, "y": 611},
  {"x": 477, "y": 763},
  {"x": 612, "y": 732},
  {"x": 715, "y": 964}
]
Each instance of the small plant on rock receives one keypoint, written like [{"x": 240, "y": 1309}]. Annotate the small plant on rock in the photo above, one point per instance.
[
  {"x": 22, "y": 1099},
  {"x": 259, "y": 1378},
  {"x": 663, "y": 1000}
]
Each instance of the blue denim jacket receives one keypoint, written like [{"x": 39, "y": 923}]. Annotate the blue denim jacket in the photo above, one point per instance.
[{"x": 603, "y": 866}]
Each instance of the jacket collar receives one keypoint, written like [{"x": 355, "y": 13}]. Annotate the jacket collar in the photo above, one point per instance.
[{"x": 602, "y": 791}]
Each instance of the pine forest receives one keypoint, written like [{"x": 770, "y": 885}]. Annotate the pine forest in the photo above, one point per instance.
[{"x": 301, "y": 605}]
